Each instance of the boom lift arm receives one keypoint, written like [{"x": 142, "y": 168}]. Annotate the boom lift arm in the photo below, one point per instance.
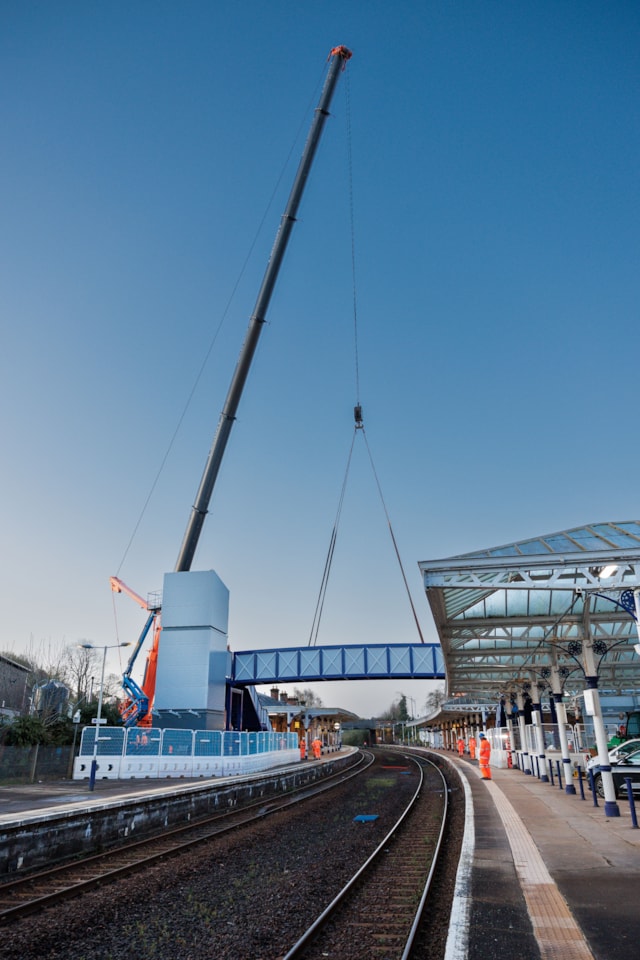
[{"x": 136, "y": 708}]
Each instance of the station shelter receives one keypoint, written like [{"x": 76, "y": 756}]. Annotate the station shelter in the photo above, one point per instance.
[
  {"x": 289, "y": 714},
  {"x": 554, "y": 617}
]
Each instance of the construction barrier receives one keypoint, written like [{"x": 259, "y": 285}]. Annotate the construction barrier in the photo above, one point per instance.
[{"x": 151, "y": 753}]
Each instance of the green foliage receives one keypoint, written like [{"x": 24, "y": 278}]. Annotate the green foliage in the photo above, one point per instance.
[
  {"x": 26, "y": 732},
  {"x": 109, "y": 710},
  {"x": 57, "y": 732},
  {"x": 60, "y": 732},
  {"x": 397, "y": 711}
]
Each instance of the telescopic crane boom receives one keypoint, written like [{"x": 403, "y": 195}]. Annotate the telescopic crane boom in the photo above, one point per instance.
[
  {"x": 138, "y": 708},
  {"x": 338, "y": 58}
]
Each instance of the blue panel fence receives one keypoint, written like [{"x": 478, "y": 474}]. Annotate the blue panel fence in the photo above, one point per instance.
[{"x": 156, "y": 742}]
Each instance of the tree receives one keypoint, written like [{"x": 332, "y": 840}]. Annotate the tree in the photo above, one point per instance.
[
  {"x": 397, "y": 711},
  {"x": 60, "y": 732},
  {"x": 307, "y": 696},
  {"x": 80, "y": 665},
  {"x": 25, "y": 732},
  {"x": 434, "y": 700},
  {"x": 403, "y": 713}
]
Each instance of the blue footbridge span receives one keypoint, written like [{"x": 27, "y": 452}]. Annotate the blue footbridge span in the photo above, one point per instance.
[{"x": 381, "y": 661}]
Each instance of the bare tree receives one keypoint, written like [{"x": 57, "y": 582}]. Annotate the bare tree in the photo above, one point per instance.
[
  {"x": 307, "y": 696},
  {"x": 434, "y": 700},
  {"x": 113, "y": 686},
  {"x": 80, "y": 665}
]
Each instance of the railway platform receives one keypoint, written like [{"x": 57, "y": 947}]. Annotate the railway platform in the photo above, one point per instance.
[
  {"x": 547, "y": 874},
  {"x": 543, "y": 873}
]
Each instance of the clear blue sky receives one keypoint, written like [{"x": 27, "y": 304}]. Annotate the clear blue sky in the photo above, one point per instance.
[{"x": 495, "y": 152}]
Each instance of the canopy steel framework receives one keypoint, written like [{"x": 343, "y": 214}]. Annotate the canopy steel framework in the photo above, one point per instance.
[{"x": 555, "y": 611}]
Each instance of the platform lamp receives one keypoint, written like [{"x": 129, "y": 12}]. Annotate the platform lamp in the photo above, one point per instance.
[{"x": 92, "y": 646}]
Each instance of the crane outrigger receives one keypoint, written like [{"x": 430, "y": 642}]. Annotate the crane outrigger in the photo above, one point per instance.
[{"x": 138, "y": 708}]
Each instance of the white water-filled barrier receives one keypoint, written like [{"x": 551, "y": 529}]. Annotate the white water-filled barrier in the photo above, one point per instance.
[{"x": 153, "y": 753}]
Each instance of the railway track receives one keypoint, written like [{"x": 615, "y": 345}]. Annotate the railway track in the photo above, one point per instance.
[
  {"x": 379, "y": 912},
  {"x": 37, "y": 891}
]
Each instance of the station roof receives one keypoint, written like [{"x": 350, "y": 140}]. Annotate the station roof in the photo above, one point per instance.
[
  {"x": 277, "y": 707},
  {"x": 505, "y": 615}
]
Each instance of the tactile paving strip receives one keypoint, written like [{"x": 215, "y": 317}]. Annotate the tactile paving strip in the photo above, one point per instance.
[{"x": 556, "y": 931}]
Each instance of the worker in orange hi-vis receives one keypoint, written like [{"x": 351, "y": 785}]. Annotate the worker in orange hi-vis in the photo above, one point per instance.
[
  {"x": 461, "y": 746},
  {"x": 472, "y": 747},
  {"x": 483, "y": 759},
  {"x": 303, "y": 748},
  {"x": 316, "y": 746}
]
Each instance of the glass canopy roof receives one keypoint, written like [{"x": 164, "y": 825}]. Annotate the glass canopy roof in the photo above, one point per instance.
[{"x": 506, "y": 616}]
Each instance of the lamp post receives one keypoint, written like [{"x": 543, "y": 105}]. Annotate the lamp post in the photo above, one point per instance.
[{"x": 98, "y": 720}]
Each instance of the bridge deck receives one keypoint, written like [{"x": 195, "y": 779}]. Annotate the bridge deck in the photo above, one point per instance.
[{"x": 416, "y": 661}]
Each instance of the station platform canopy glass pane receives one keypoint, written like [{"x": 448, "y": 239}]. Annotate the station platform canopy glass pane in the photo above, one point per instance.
[{"x": 510, "y": 613}]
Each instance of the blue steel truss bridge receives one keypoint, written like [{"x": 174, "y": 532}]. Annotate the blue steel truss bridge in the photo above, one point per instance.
[{"x": 380, "y": 661}]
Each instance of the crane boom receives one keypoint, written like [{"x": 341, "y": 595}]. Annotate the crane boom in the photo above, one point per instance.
[
  {"x": 338, "y": 58},
  {"x": 138, "y": 708}
]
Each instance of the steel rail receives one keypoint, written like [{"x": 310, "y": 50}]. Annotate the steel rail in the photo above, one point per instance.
[
  {"x": 436, "y": 858},
  {"x": 306, "y": 940},
  {"x": 169, "y": 842}
]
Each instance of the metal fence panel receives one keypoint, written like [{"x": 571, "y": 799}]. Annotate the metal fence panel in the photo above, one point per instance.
[{"x": 29, "y": 764}]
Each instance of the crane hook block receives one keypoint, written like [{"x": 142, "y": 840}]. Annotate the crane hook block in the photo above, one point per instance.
[{"x": 357, "y": 413}]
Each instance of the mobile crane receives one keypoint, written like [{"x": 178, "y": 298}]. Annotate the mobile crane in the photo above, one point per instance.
[{"x": 139, "y": 705}]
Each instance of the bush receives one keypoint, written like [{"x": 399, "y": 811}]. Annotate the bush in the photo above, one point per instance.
[{"x": 26, "y": 732}]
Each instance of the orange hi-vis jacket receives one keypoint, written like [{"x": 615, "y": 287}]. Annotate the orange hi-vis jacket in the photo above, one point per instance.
[{"x": 483, "y": 759}]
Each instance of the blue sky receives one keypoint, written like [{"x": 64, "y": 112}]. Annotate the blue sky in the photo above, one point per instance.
[{"x": 495, "y": 155}]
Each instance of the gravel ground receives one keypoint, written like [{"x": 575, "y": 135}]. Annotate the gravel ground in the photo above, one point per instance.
[{"x": 248, "y": 896}]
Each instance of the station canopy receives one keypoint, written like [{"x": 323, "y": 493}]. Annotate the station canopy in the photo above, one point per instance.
[{"x": 507, "y": 615}]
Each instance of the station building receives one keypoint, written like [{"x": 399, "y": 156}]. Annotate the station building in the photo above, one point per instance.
[{"x": 289, "y": 714}]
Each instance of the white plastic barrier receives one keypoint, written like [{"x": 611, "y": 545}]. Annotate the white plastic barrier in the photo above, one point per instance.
[
  {"x": 151, "y": 753},
  {"x": 108, "y": 768},
  {"x": 232, "y": 766},
  {"x": 208, "y": 767},
  {"x": 499, "y": 759},
  {"x": 175, "y": 766},
  {"x": 142, "y": 768}
]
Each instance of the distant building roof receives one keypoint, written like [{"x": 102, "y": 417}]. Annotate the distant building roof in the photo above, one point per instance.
[
  {"x": 14, "y": 663},
  {"x": 273, "y": 706}
]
